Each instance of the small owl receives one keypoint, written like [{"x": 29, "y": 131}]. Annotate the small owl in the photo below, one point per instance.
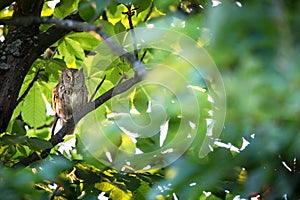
[{"x": 70, "y": 94}]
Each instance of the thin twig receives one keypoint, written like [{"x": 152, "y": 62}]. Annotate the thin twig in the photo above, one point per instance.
[
  {"x": 29, "y": 86},
  {"x": 150, "y": 12},
  {"x": 97, "y": 88},
  {"x": 131, "y": 13},
  {"x": 143, "y": 56}
]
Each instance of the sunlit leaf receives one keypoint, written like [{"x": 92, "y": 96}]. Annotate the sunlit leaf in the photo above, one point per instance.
[
  {"x": 34, "y": 108},
  {"x": 87, "y": 41},
  {"x": 127, "y": 144}
]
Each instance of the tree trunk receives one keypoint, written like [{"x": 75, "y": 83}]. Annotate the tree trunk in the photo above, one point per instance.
[
  {"x": 22, "y": 46},
  {"x": 16, "y": 58}
]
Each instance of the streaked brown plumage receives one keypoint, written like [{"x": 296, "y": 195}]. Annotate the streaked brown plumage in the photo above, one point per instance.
[{"x": 70, "y": 94}]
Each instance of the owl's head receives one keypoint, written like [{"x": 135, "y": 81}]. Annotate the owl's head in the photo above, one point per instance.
[{"x": 72, "y": 77}]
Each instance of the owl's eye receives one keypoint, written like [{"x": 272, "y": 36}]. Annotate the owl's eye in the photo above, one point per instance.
[
  {"x": 77, "y": 78},
  {"x": 68, "y": 78}
]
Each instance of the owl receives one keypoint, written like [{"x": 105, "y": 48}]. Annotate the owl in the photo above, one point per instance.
[{"x": 70, "y": 94}]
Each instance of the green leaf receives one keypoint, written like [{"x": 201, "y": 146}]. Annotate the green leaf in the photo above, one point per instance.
[
  {"x": 141, "y": 101},
  {"x": 112, "y": 8},
  {"x": 12, "y": 139},
  {"x": 17, "y": 110},
  {"x": 115, "y": 75},
  {"x": 26, "y": 82},
  {"x": 149, "y": 144},
  {"x": 87, "y": 11},
  {"x": 142, "y": 5},
  {"x": 125, "y": 2},
  {"x": 90, "y": 10},
  {"x": 18, "y": 127},
  {"x": 140, "y": 193},
  {"x": 87, "y": 41},
  {"x": 127, "y": 144},
  {"x": 133, "y": 184},
  {"x": 41, "y": 132},
  {"x": 38, "y": 144},
  {"x": 50, "y": 169},
  {"x": 164, "y": 6},
  {"x": 34, "y": 108},
  {"x": 69, "y": 59},
  {"x": 21, "y": 149},
  {"x": 117, "y": 14},
  {"x": 65, "y": 7},
  {"x": 74, "y": 48},
  {"x": 108, "y": 28},
  {"x": 119, "y": 28},
  {"x": 71, "y": 49}
]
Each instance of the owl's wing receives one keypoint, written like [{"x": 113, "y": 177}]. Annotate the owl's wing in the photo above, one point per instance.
[{"x": 56, "y": 103}]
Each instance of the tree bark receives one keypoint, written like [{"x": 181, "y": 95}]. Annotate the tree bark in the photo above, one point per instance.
[{"x": 16, "y": 59}]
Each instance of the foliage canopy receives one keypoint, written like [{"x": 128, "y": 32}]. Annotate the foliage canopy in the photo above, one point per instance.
[{"x": 255, "y": 45}]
